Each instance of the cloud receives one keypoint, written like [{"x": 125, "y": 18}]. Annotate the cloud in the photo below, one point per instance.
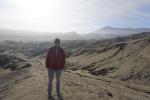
[
  {"x": 142, "y": 14},
  {"x": 67, "y": 15}
]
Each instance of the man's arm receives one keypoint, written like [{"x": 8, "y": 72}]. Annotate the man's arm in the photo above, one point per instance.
[
  {"x": 47, "y": 59},
  {"x": 63, "y": 58}
]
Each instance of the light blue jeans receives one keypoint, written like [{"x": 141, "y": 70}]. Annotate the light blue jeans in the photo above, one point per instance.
[{"x": 50, "y": 80}]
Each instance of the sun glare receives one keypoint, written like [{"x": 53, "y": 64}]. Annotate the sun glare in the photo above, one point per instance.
[{"x": 39, "y": 9}]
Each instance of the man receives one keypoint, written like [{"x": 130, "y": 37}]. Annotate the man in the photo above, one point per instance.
[{"x": 55, "y": 61}]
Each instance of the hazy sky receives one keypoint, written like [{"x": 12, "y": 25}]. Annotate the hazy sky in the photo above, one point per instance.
[{"x": 82, "y": 16}]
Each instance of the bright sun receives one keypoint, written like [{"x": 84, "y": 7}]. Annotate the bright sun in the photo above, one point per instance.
[
  {"x": 44, "y": 14},
  {"x": 39, "y": 9}
]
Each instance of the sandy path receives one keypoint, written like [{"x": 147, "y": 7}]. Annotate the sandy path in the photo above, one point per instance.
[{"x": 74, "y": 87}]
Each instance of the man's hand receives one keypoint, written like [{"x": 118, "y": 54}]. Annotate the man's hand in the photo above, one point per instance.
[
  {"x": 63, "y": 69},
  {"x": 46, "y": 67}
]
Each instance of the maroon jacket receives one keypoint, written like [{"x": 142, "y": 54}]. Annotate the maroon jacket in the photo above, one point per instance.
[{"x": 55, "y": 58}]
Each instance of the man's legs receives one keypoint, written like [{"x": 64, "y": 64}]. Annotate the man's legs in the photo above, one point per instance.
[
  {"x": 58, "y": 75},
  {"x": 50, "y": 80}
]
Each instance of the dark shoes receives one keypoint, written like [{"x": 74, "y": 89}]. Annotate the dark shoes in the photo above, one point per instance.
[
  {"x": 58, "y": 93},
  {"x": 50, "y": 97}
]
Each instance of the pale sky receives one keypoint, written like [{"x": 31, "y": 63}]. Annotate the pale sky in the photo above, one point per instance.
[{"x": 82, "y": 16}]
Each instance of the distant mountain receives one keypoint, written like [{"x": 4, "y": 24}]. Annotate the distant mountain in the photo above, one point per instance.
[
  {"x": 110, "y": 32},
  {"x": 21, "y": 35},
  {"x": 103, "y": 33}
]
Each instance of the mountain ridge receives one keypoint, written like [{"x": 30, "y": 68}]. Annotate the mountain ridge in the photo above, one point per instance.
[
  {"x": 111, "y": 32},
  {"x": 102, "y": 33}
]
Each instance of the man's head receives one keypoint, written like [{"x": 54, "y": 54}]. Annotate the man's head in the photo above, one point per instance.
[{"x": 57, "y": 42}]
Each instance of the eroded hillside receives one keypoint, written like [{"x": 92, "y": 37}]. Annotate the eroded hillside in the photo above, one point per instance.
[
  {"x": 124, "y": 59},
  {"x": 111, "y": 69}
]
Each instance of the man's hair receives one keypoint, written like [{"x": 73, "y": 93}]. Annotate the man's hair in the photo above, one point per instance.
[{"x": 57, "y": 40}]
